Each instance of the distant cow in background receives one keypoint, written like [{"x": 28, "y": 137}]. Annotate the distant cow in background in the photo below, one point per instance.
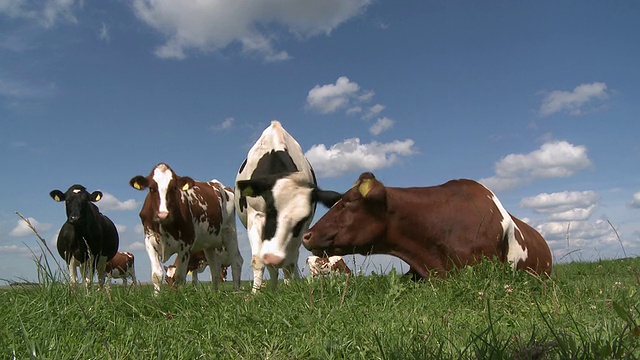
[
  {"x": 181, "y": 215},
  {"x": 121, "y": 266},
  {"x": 88, "y": 238},
  {"x": 319, "y": 266},
  {"x": 197, "y": 264},
  {"x": 276, "y": 196}
]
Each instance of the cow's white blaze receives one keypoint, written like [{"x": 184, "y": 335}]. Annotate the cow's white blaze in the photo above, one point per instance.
[
  {"x": 162, "y": 176},
  {"x": 515, "y": 251}
]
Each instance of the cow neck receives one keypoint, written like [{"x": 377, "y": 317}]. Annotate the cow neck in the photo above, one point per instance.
[
  {"x": 89, "y": 228},
  {"x": 401, "y": 237},
  {"x": 178, "y": 227}
]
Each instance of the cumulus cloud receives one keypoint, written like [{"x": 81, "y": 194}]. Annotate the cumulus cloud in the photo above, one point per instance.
[
  {"x": 635, "y": 201},
  {"x": 103, "y": 33},
  {"x": 573, "y": 102},
  {"x": 351, "y": 155},
  {"x": 224, "y": 125},
  {"x": 136, "y": 246},
  {"x": 329, "y": 98},
  {"x": 110, "y": 202},
  {"x": 381, "y": 125},
  {"x": 213, "y": 25},
  {"x": 22, "y": 229},
  {"x": 563, "y": 206},
  {"x": 47, "y": 12},
  {"x": 554, "y": 159}
]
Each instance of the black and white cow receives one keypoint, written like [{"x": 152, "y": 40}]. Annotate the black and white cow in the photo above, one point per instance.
[
  {"x": 181, "y": 215},
  {"x": 87, "y": 239},
  {"x": 276, "y": 196}
]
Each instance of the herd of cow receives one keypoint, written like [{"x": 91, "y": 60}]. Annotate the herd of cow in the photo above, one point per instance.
[{"x": 433, "y": 229}]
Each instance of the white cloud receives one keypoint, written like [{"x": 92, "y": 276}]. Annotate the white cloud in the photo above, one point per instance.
[
  {"x": 46, "y": 12},
  {"x": 329, "y": 98},
  {"x": 110, "y": 202},
  {"x": 554, "y": 159},
  {"x": 225, "y": 125},
  {"x": 563, "y": 206},
  {"x": 20, "y": 90},
  {"x": 22, "y": 229},
  {"x": 121, "y": 228},
  {"x": 573, "y": 102},
  {"x": 138, "y": 229},
  {"x": 136, "y": 246},
  {"x": 213, "y": 25},
  {"x": 635, "y": 201},
  {"x": 351, "y": 155},
  {"x": 381, "y": 125},
  {"x": 103, "y": 33},
  {"x": 373, "y": 111}
]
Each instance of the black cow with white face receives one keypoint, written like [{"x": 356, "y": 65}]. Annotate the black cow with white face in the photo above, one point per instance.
[
  {"x": 276, "y": 196},
  {"x": 88, "y": 238}
]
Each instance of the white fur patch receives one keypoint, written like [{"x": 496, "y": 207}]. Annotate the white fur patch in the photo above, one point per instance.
[
  {"x": 515, "y": 252},
  {"x": 162, "y": 177}
]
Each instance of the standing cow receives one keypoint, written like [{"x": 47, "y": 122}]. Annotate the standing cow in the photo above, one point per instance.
[
  {"x": 181, "y": 215},
  {"x": 276, "y": 196},
  {"x": 431, "y": 228},
  {"x": 88, "y": 238},
  {"x": 319, "y": 266},
  {"x": 122, "y": 266}
]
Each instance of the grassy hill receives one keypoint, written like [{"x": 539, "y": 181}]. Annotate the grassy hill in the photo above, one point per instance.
[{"x": 584, "y": 311}]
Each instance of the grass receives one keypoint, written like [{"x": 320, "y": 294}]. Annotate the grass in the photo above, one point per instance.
[{"x": 585, "y": 311}]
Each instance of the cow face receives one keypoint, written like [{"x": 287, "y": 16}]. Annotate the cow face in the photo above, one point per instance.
[
  {"x": 354, "y": 224},
  {"x": 164, "y": 191},
  {"x": 77, "y": 202},
  {"x": 290, "y": 205}
]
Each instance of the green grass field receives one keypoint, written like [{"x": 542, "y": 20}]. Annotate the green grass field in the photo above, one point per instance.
[{"x": 585, "y": 311}]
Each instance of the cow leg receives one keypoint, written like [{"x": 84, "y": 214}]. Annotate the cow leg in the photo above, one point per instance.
[
  {"x": 180, "y": 276},
  {"x": 86, "y": 271},
  {"x": 255, "y": 223},
  {"x": 102, "y": 265},
  {"x": 291, "y": 271},
  {"x": 156, "y": 265},
  {"x": 73, "y": 271},
  {"x": 214, "y": 266},
  {"x": 273, "y": 277},
  {"x": 194, "y": 278},
  {"x": 236, "y": 268}
]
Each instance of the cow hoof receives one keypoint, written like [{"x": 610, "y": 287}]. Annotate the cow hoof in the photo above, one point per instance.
[{"x": 272, "y": 259}]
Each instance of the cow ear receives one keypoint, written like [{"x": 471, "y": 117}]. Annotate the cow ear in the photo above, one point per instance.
[
  {"x": 57, "y": 195},
  {"x": 256, "y": 187},
  {"x": 96, "y": 196},
  {"x": 139, "y": 182},
  {"x": 326, "y": 197},
  {"x": 365, "y": 187},
  {"x": 371, "y": 189},
  {"x": 185, "y": 183}
]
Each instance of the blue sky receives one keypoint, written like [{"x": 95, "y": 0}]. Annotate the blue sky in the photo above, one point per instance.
[{"x": 538, "y": 100}]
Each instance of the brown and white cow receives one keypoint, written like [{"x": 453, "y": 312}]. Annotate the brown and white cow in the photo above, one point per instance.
[
  {"x": 197, "y": 265},
  {"x": 181, "y": 215},
  {"x": 319, "y": 266},
  {"x": 431, "y": 228},
  {"x": 122, "y": 266},
  {"x": 276, "y": 196}
]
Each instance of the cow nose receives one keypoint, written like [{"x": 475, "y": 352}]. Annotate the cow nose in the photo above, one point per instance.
[
  {"x": 162, "y": 215},
  {"x": 272, "y": 259},
  {"x": 306, "y": 239}
]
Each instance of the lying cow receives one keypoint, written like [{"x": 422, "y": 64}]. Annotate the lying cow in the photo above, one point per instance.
[
  {"x": 197, "y": 265},
  {"x": 181, "y": 215},
  {"x": 431, "y": 228},
  {"x": 319, "y": 266},
  {"x": 276, "y": 196},
  {"x": 121, "y": 266},
  {"x": 88, "y": 238}
]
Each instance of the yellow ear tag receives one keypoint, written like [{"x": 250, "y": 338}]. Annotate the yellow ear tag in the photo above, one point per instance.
[
  {"x": 98, "y": 197},
  {"x": 365, "y": 187},
  {"x": 56, "y": 198},
  {"x": 137, "y": 186},
  {"x": 185, "y": 187},
  {"x": 248, "y": 191}
]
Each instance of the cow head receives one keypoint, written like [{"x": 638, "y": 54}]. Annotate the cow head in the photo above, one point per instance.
[
  {"x": 77, "y": 202},
  {"x": 290, "y": 205},
  {"x": 354, "y": 224},
  {"x": 164, "y": 190}
]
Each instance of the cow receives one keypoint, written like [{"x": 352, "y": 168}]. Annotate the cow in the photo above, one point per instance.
[
  {"x": 436, "y": 228},
  {"x": 197, "y": 264},
  {"x": 276, "y": 196},
  {"x": 121, "y": 266},
  {"x": 181, "y": 215},
  {"x": 87, "y": 239},
  {"x": 319, "y": 266}
]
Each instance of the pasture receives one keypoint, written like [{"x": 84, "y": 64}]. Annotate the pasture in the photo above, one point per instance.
[{"x": 584, "y": 311}]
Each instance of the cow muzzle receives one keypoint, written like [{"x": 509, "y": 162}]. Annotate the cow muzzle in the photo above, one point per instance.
[
  {"x": 272, "y": 259},
  {"x": 162, "y": 215}
]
